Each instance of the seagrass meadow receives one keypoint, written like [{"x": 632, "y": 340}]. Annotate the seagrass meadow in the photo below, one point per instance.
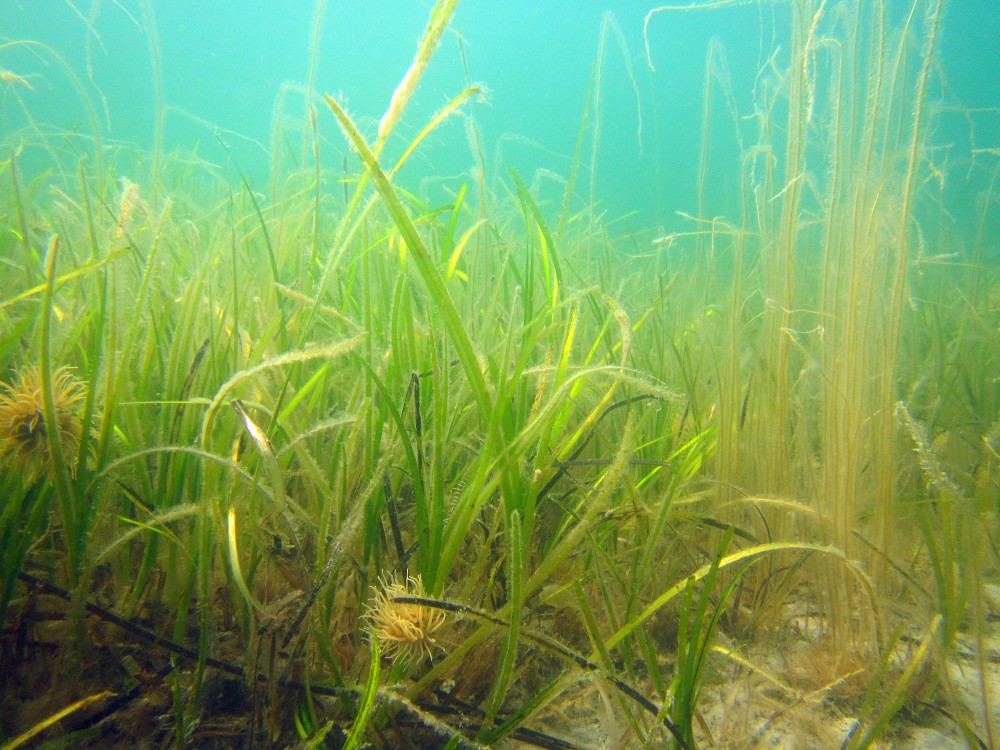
[{"x": 587, "y": 378}]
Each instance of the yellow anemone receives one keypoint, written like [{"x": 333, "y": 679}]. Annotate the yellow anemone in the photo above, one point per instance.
[
  {"x": 404, "y": 630},
  {"x": 24, "y": 444}
]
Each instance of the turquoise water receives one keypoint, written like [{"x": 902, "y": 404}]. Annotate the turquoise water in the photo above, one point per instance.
[{"x": 223, "y": 65}]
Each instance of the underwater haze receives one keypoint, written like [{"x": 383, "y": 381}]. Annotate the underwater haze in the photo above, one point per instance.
[
  {"x": 468, "y": 374},
  {"x": 222, "y": 65}
]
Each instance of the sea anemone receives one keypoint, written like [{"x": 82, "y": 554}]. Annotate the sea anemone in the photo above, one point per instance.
[
  {"x": 404, "y": 631},
  {"x": 24, "y": 444}
]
